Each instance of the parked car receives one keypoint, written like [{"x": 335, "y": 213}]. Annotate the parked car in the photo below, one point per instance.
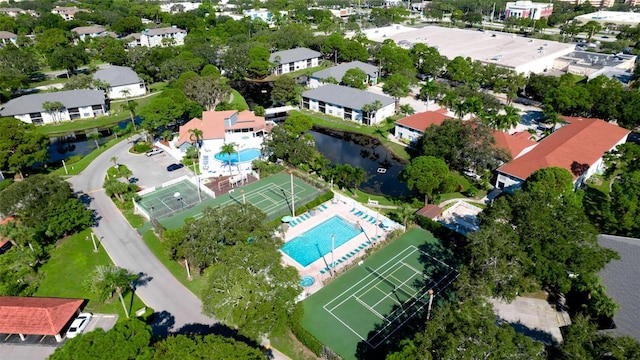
[
  {"x": 174, "y": 167},
  {"x": 154, "y": 151},
  {"x": 79, "y": 324}
]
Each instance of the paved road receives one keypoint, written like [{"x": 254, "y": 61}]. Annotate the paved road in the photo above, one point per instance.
[
  {"x": 179, "y": 309},
  {"x": 177, "y": 305}
]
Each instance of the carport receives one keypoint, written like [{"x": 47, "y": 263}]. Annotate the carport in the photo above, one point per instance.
[{"x": 36, "y": 315}]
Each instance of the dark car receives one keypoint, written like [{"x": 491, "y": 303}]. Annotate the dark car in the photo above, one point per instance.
[{"x": 174, "y": 167}]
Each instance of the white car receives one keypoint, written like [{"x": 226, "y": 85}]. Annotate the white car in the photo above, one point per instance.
[
  {"x": 79, "y": 324},
  {"x": 154, "y": 151}
]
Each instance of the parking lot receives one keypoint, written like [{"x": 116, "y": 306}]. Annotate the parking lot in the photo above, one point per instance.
[
  {"x": 36, "y": 347},
  {"x": 151, "y": 171}
]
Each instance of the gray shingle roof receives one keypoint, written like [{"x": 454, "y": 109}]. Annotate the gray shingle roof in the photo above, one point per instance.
[
  {"x": 86, "y": 30},
  {"x": 7, "y": 35},
  {"x": 337, "y": 72},
  {"x": 162, "y": 31},
  {"x": 117, "y": 76},
  {"x": 33, "y": 103},
  {"x": 621, "y": 279},
  {"x": 292, "y": 55},
  {"x": 346, "y": 96}
]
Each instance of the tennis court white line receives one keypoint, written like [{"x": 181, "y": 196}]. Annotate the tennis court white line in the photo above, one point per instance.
[
  {"x": 412, "y": 268},
  {"x": 369, "y": 308},
  {"x": 386, "y": 295},
  {"x": 410, "y": 248}
]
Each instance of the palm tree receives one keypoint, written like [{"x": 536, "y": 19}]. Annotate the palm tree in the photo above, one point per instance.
[
  {"x": 473, "y": 105},
  {"x": 460, "y": 109},
  {"x": 229, "y": 149},
  {"x": 370, "y": 110},
  {"x": 114, "y": 159},
  {"x": 106, "y": 280},
  {"x": 320, "y": 163},
  {"x": 511, "y": 117},
  {"x": 405, "y": 213},
  {"x": 406, "y": 109},
  {"x": 358, "y": 175},
  {"x": 95, "y": 137},
  {"x": 131, "y": 106},
  {"x": 428, "y": 91}
]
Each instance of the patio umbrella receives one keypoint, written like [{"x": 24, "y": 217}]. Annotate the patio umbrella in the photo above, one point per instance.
[{"x": 287, "y": 218}]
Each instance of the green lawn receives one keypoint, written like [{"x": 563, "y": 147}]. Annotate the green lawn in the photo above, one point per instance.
[
  {"x": 351, "y": 308},
  {"x": 239, "y": 102},
  {"x": 70, "y": 264},
  {"x": 196, "y": 284}
]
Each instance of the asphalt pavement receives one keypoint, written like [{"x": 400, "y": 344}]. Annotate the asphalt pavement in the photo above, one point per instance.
[
  {"x": 176, "y": 305},
  {"x": 178, "y": 309}
]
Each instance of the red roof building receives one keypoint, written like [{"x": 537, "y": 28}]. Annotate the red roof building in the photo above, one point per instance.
[
  {"x": 577, "y": 147},
  {"x": 515, "y": 144},
  {"x": 412, "y": 127},
  {"x": 5, "y": 243},
  {"x": 36, "y": 315}
]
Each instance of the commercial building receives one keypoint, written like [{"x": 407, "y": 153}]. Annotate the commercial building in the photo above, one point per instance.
[
  {"x": 586, "y": 63},
  {"x": 294, "y": 59},
  {"x": 348, "y": 103},
  {"x": 528, "y": 10},
  {"x": 523, "y": 55},
  {"x": 611, "y": 17},
  {"x": 76, "y": 104}
]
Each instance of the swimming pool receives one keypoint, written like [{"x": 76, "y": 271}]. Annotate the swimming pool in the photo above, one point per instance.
[
  {"x": 245, "y": 155},
  {"x": 316, "y": 242}
]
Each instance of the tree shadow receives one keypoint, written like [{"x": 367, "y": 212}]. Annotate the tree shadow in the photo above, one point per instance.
[
  {"x": 161, "y": 323},
  {"x": 142, "y": 280},
  {"x": 536, "y": 334}
]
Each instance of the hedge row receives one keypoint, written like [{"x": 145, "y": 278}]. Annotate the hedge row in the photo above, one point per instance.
[
  {"x": 315, "y": 202},
  {"x": 305, "y": 337}
]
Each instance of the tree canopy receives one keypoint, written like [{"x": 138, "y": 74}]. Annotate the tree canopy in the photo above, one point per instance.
[{"x": 21, "y": 146}]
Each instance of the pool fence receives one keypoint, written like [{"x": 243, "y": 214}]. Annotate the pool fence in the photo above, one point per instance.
[{"x": 337, "y": 197}]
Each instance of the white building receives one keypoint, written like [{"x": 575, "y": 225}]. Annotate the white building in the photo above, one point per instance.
[
  {"x": 577, "y": 147},
  {"x": 85, "y": 32},
  {"x": 77, "y": 104},
  {"x": 158, "y": 37},
  {"x": 294, "y": 59},
  {"x": 123, "y": 82},
  {"x": 338, "y": 71},
  {"x": 7, "y": 38},
  {"x": 262, "y": 14},
  {"x": 347, "y": 103},
  {"x": 67, "y": 13},
  {"x": 528, "y": 10},
  {"x": 244, "y": 129},
  {"x": 177, "y": 7},
  {"x": 412, "y": 127}
]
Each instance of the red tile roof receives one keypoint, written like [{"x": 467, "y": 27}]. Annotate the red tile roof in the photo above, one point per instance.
[
  {"x": 581, "y": 142},
  {"x": 430, "y": 211},
  {"x": 213, "y": 126},
  {"x": 3, "y": 240},
  {"x": 423, "y": 120},
  {"x": 36, "y": 315},
  {"x": 515, "y": 143}
]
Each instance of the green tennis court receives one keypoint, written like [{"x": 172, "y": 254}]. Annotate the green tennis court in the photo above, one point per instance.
[
  {"x": 174, "y": 198},
  {"x": 373, "y": 300},
  {"x": 272, "y": 195}
]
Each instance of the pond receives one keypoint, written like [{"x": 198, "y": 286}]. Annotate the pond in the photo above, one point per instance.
[
  {"x": 64, "y": 147},
  {"x": 368, "y": 153}
]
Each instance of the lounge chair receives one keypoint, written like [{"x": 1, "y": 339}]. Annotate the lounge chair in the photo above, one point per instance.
[
  {"x": 352, "y": 210},
  {"x": 324, "y": 207},
  {"x": 322, "y": 272}
]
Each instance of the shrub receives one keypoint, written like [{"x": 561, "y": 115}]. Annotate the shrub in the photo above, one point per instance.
[
  {"x": 305, "y": 337},
  {"x": 141, "y": 147},
  {"x": 4, "y": 183}
]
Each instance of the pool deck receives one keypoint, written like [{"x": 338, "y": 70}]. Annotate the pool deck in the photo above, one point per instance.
[{"x": 373, "y": 231}]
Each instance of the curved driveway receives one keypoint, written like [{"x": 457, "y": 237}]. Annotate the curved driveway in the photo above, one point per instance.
[{"x": 162, "y": 292}]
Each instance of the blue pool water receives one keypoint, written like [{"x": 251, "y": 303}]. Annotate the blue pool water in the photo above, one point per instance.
[
  {"x": 316, "y": 242},
  {"x": 306, "y": 281},
  {"x": 245, "y": 155}
]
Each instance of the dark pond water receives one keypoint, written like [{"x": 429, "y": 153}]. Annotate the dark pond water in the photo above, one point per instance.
[
  {"x": 368, "y": 153},
  {"x": 63, "y": 147}
]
